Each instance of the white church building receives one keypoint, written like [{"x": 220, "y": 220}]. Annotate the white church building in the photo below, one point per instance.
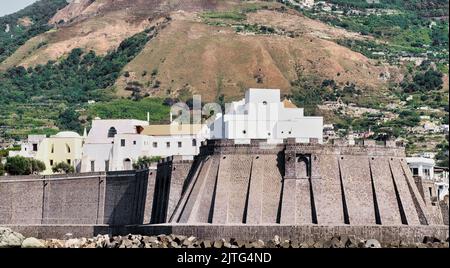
[
  {"x": 98, "y": 154},
  {"x": 262, "y": 115}
]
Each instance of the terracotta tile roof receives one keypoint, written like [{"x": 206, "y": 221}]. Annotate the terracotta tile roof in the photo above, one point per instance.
[
  {"x": 173, "y": 129},
  {"x": 288, "y": 104}
]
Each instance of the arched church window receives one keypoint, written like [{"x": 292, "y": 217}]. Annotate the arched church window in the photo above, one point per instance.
[{"x": 112, "y": 132}]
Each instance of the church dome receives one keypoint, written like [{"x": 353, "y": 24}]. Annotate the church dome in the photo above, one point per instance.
[{"x": 67, "y": 134}]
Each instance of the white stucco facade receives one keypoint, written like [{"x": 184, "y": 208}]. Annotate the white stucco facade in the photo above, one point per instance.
[
  {"x": 65, "y": 146},
  {"x": 114, "y": 145},
  {"x": 421, "y": 166},
  {"x": 262, "y": 115},
  {"x": 425, "y": 168},
  {"x": 30, "y": 147},
  {"x": 98, "y": 147},
  {"x": 158, "y": 141}
]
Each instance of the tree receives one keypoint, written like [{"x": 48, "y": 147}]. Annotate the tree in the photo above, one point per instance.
[
  {"x": 444, "y": 162},
  {"x": 69, "y": 120},
  {"x": 424, "y": 81},
  {"x": 63, "y": 167},
  {"x": 145, "y": 161},
  {"x": 37, "y": 166},
  {"x": 19, "y": 165},
  {"x": 430, "y": 80},
  {"x": 2, "y": 169}
]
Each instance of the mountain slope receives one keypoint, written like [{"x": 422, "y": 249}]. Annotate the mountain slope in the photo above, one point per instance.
[
  {"x": 17, "y": 28},
  {"x": 103, "y": 50},
  {"x": 213, "y": 60},
  {"x": 216, "y": 59}
]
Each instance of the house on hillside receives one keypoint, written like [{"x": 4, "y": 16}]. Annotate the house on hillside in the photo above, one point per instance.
[{"x": 425, "y": 169}]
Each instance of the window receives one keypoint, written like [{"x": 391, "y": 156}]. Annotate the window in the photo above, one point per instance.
[
  {"x": 168, "y": 144},
  {"x": 68, "y": 148},
  {"x": 51, "y": 162},
  {"x": 53, "y": 149},
  {"x": 265, "y": 102},
  {"x": 180, "y": 144},
  {"x": 134, "y": 142},
  {"x": 155, "y": 145},
  {"x": 92, "y": 166},
  {"x": 35, "y": 147},
  {"x": 107, "y": 165},
  {"x": 415, "y": 171},
  {"x": 112, "y": 132},
  {"x": 68, "y": 161},
  {"x": 194, "y": 142},
  {"x": 244, "y": 131},
  {"x": 122, "y": 142}
]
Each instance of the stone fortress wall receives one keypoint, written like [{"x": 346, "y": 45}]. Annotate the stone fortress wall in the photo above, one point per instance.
[
  {"x": 296, "y": 184},
  {"x": 114, "y": 198},
  {"x": 300, "y": 191}
]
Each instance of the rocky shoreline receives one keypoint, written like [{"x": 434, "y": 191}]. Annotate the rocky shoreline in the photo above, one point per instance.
[{"x": 11, "y": 239}]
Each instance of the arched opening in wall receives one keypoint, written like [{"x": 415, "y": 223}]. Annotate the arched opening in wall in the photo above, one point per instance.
[
  {"x": 303, "y": 166},
  {"x": 112, "y": 132},
  {"x": 127, "y": 164},
  {"x": 303, "y": 171}
]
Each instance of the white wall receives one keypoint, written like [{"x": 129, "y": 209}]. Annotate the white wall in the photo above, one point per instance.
[
  {"x": 302, "y": 129},
  {"x": 100, "y": 128},
  {"x": 421, "y": 164},
  {"x": 262, "y": 115},
  {"x": 255, "y": 95},
  {"x": 136, "y": 145},
  {"x": 26, "y": 147},
  {"x": 99, "y": 148},
  {"x": 97, "y": 152}
]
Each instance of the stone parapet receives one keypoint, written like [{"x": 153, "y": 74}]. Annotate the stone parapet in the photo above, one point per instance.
[{"x": 369, "y": 147}]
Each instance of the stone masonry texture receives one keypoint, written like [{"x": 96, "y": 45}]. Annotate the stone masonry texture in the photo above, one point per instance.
[{"x": 243, "y": 191}]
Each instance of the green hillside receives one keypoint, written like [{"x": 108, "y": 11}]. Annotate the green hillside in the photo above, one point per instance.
[
  {"x": 36, "y": 17},
  {"x": 54, "y": 96}
]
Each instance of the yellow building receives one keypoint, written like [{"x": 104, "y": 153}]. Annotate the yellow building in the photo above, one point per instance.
[{"x": 65, "y": 147}]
